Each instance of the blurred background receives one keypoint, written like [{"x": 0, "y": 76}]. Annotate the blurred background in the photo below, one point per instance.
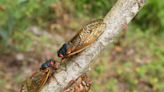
[{"x": 33, "y": 30}]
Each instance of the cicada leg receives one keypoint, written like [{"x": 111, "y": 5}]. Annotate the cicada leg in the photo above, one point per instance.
[{"x": 63, "y": 61}]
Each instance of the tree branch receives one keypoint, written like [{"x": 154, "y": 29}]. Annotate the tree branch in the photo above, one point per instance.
[{"x": 121, "y": 14}]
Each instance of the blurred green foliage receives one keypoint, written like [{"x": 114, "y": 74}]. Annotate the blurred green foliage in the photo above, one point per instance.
[
  {"x": 144, "y": 68},
  {"x": 18, "y": 15},
  {"x": 97, "y": 8},
  {"x": 152, "y": 16},
  {"x": 145, "y": 36}
]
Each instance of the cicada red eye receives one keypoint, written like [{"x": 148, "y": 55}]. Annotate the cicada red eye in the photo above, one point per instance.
[
  {"x": 86, "y": 36},
  {"x": 60, "y": 55}
]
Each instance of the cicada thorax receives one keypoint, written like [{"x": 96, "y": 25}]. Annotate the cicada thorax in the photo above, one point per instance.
[
  {"x": 86, "y": 36},
  {"x": 81, "y": 84}
]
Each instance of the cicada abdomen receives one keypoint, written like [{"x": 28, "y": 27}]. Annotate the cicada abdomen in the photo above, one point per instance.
[{"x": 86, "y": 36}]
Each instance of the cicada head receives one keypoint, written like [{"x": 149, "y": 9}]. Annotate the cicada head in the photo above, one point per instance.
[
  {"x": 47, "y": 64},
  {"x": 63, "y": 51},
  {"x": 51, "y": 63}
]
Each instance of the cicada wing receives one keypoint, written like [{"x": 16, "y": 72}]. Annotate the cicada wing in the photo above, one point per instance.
[
  {"x": 39, "y": 80},
  {"x": 88, "y": 35},
  {"x": 24, "y": 87},
  {"x": 77, "y": 50},
  {"x": 93, "y": 31},
  {"x": 94, "y": 28},
  {"x": 27, "y": 85},
  {"x": 36, "y": 81}
]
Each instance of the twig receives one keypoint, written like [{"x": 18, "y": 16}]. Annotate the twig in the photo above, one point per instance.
[{"x": 121, "y": 14}]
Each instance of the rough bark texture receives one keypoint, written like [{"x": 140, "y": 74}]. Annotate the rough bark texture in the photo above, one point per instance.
[{"x": 121, "y": 14}]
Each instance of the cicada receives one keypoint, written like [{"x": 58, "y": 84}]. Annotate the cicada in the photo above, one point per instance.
[
  {"x": 86, "y": 36},
  {"x": 81, "y": 84},
  {"x": 35, "y": 82}
]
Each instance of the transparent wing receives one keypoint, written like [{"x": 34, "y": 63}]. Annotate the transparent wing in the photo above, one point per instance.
[
  {"x": 36, "y": 81},
  {"x": 87, "y": 35}
]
